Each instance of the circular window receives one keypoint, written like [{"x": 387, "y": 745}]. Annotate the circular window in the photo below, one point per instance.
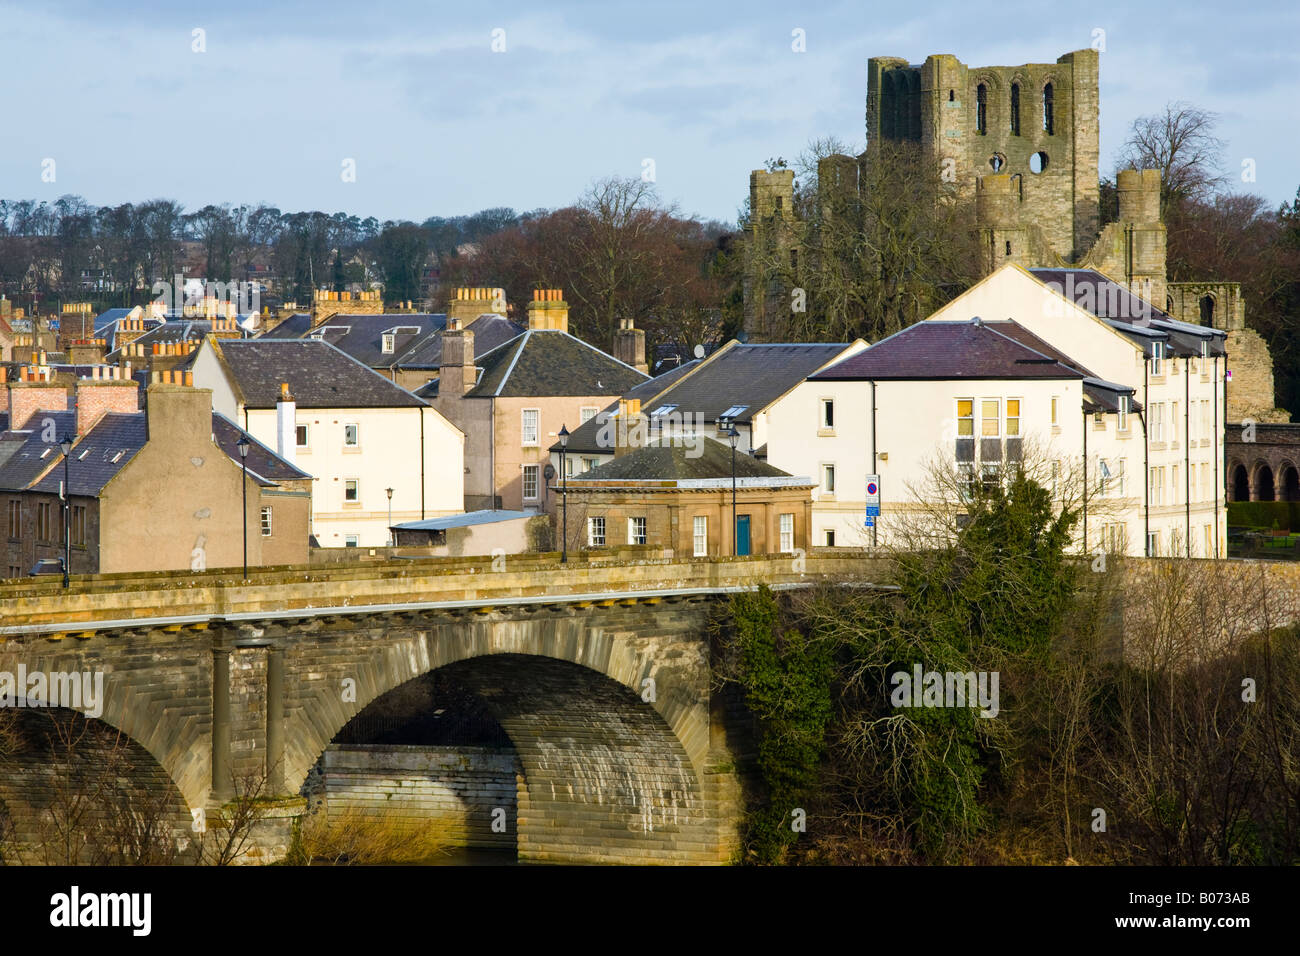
[
  {"x": 997, "y": 161},
  {"x": 1037, "y": 162}
]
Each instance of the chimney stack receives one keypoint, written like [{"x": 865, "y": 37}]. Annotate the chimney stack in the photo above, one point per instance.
[
  {"x": 629, "y": 346},
  {"x": 630, "y": 431},
  {"x": 456, "y": 371},
  {"x": 468, "y": 304},
  {"x": 97, "y": 397},
  {"x": 286, "y": 425},
  {"x": 548, "y": 310}
]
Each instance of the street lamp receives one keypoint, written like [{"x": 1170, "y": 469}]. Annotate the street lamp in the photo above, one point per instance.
[
  {"x": 390, "y": 515},
  {"x": 564, "y": 493},
  {"x": 243, "y": 445},
  {"x": 65, "y": 445},
  {"x": 732, "y": 435}
]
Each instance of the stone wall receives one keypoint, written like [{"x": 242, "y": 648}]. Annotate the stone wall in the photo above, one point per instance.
[{"x": 453, "y": 789}]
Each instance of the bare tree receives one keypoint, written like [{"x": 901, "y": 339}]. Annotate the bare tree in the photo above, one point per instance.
[{"x": 1181, "y": 143}]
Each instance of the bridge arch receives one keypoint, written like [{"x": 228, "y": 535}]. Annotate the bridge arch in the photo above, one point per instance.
[{"x": 611, "y": 728}]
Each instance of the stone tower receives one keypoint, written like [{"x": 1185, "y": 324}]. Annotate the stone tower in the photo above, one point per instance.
[
  {"x": 1036, "y": 124},
  {"x": 771, "y": 252}
]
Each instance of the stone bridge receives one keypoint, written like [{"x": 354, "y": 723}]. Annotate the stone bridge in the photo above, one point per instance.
[{"x": 598, "y": 671}]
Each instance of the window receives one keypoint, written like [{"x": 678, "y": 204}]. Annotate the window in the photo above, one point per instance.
[
  {"x": 732, "y": 413},
  {"x": 1173, "y": 423},
  {"x": 1153, "y": 544},
  {"x": 300, "y": 435},
  {"x": 1015, "y": 109},
  {"x": 587, "y": 413},
  {"x": 588, "y": 464},
  {"x": 1209, "y": 540},
  {"x": 1056, "y": 478},
  {"x": 1173, "y": 487},
  {"x": 991, "y": 478},
  {"x": 44, "y": 529},
  {"x": 568, "y": 466},
  {"x": 15, "y": 519},
  {"x": 1157, "y": 486},
  {"x": 1157, "y": 353},
  {"x": 990, "y": 418},
  {"x": 1013, "y": 418},
  {"x": 700, "y": 531},
  {"x": 828, "y": 479},
  {"x": 390, "y": 340},
  {"x": 981, "y": 109},
  {"x": 828, "y": 413},
  {"x": 596, "y": 531},
  {"x": 528, "y": 430},
  {"x": 351, "y": 436},
  {"x": 530, "y": 482},
  {"x": 78, "y": 530},
  {"x": 1053, "y": 409},
  {"x": 1122, "y": 423},
  {"x": 787, "y": 532},
  {"x": 351, "y": 490},
  {"x": 266, "y": 522},
  {"x": 1119, "y": 476},
  {"x": 830, "y": 539},
  {"x": 965, "y": 418},
  {"x": 351, "y": 540},
  {"x": 1048, "y": 105},
  {"x": 1158, "y": 422},
  {"x": 1103, "y": 475},
  {"x": 636, "y": 531},
  {"x": 966, "y": 481}
]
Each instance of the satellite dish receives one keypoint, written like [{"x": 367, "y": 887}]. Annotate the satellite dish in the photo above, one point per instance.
[{"x": 699, "y": 351}]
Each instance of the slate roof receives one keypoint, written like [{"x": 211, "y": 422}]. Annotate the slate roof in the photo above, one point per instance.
[
  {"x": 319, "y": 375},
  {"x": 264, "y": 465},
  {"x": 677, "y": 461},
  {"x": 292, "y": 327},
  {"x": 1130, "y": 313},
  {"x": 361, "y": 336},
  {"x": 948, "y": 350},
  {"x": 490, "y": 330},
  {"x": 174, "y": 330},
  {"x": 548, "y": 362},
  {"x": 583, "y": 438},
  {"x": 748, "y": 376},
  {"x": 1102, "y": 396}
]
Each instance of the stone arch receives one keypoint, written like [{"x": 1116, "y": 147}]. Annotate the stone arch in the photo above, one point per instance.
[
  {"x": 1048, "y": 107},
  {"x": 1207, "y": 305},
  {"x": 1288, "y": 486},
  {"x": 1013, "y": 105},
  {"x": 1239, "y": 482},
  {"x": 163, "y": 724},
  {"x": 1265, "y": 488},
  {"x": 67, "y": 766}
]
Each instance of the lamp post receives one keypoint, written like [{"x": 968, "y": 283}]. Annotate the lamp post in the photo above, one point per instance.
[
  {"x": 389, "y": 491},
  {"x": 65, "y": 445},
  {"x": 732, "y": 435},
  {"x": 564, "y": 493},
  {"x": 243, "y": 445}
]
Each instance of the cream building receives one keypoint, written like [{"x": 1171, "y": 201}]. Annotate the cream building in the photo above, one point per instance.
[{"x": 356, "y": 433}]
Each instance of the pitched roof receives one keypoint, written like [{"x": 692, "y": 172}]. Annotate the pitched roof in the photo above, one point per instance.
[
  {"x": 679, "y": 461},
  {"x": 319, "y": 375},
  {"x": 1128, "y": 312},
  {"x": 936, "y": 349},
  {"x": 490, "y": 330},
  {"x": 548, "y": 362},
  {"x": 585, "y": 436},
  {"x": 265, "y": 466},
  {"x": 292, "y": 327},
  {"x": 98, "y": 456},
  {"x": 745, "y": 379},
  {"x": 362, "y": 336}
]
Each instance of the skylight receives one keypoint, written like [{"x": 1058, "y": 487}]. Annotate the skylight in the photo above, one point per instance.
[{"x": 735, "y": 411}]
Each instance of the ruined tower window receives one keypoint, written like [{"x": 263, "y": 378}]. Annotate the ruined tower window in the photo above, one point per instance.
[
  {"x": 779, "y": 202},
  {"x": 1047, "y": 109},
  {"x": 1015, "y": 109},
  {"x": 1008, "y": 247},
  {"x": 997, "y": 161},
  {"x": 951, "y": 96},
  {"x": 1037, "y": 162},
  {"x": 1207, "y": 310},
  {"x": 981, "y": 109}
]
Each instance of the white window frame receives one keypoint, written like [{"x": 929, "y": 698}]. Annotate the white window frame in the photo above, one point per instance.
[
  {"x": 388, "y": 344},
  {"x": 592, "y": 525},
  {"x": 356, "y": 487},
  {"x": 828, "y": 471},
  {"x": 536, "y": 471},
  {"x": 356, "y": 435},
  {"x": 827, "y": 404},
  {"x": 305, "y": 432},
  {"x": 1122, "y": 424},
  {"x": 265, "y": 522},
  {"x": 996, "y": 419},
  {"x": 1055, "y": 399},
  {"x": 631, "y": 530},
  {"x": 352, "y": 540},
  {"x": 700, "y": 536},
  {"x": 1157, "y": 355},
  {"x": 1018, "y": 418},
  {"x": 959, "y": 418},
  {"x": 586, "y": 413},
  {"x": 524, "y": 440},
  {"x": 785, "y": 524}
]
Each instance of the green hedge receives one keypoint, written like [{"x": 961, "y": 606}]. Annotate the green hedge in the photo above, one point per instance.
[{"x": 1262, "y": 514}]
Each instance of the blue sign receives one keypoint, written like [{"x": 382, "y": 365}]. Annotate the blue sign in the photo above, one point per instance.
[
  {"x": 873, "y": 511},
  {"x": 869, "y": 522}
]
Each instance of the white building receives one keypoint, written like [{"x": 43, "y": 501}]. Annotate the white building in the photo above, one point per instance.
[
  {"x": 1048, "y": 360},
  {"x": 355, "y": 432}
]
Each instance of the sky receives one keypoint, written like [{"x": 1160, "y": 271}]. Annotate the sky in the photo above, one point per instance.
[{"x": 435, "y": 121}]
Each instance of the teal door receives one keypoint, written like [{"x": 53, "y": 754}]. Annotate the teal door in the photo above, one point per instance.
[{"x": 742, "y": 534}]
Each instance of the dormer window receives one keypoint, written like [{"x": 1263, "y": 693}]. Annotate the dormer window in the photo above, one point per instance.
[
  {"x": 389, "y": 343},
  {"x": 1157, "y": 353}
]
